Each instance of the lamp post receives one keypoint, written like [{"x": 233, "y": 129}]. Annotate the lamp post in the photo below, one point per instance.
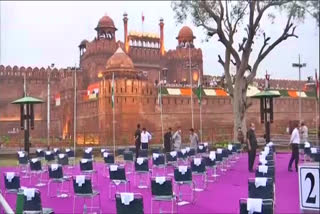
[
  {"x": 191, "y": 97},
  {"x": 266, "y": 106},
  {"x": 48, "y": 107},
  {"x": 299, "y": 65},
  {"x": 27, "y": 117}
]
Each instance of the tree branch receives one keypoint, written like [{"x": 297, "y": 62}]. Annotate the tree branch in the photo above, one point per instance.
[
  {"x": 222, "y": 37},
  {"x": 242, "y": 44},
  {"x": 262, "y": 54}
]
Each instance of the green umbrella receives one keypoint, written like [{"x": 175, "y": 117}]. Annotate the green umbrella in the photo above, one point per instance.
[
  {"x": 27, "y": 100},
  {"x": 266, "y": 94}
]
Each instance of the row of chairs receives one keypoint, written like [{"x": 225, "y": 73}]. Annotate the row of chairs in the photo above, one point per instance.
[{"x": 261, "y": 189}]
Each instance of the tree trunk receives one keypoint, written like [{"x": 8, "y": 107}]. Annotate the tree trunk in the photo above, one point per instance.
[{"x": 239, "y": 103}]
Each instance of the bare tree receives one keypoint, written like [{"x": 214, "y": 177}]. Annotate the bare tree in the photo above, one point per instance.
[{"x": 224, "y": 19}]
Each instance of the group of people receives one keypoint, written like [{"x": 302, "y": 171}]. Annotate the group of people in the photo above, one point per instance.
[
  {"x": 172, "y": 141},
  {"x": 252, "y": 144}
]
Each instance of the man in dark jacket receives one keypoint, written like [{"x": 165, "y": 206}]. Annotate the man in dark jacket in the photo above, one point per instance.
[
  {"x": 252, "y": 146},
  {"x": 137, "y": 140},
  {"x": 168, "y": 140}
]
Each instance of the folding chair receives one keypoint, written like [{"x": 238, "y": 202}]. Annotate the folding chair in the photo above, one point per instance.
[
  {"x": 87, "y": 154},
  {"x": 158, "y": 162},
  {"x": 132, "y": 205},
  {"x": 210, "y": 161},
  {"x": 86, "y": 167},
  {"x": 201, "y": 149},
  {"x": 261, "y": 188},
  {"x": 171, "y": 161},
  {"x": 36, "y": 169},
  {"x": 269, "y": 174},
  {"x": 198, "y": 168},
  {"x": 182, "y": 156},
  {"x": 143, "y": 153},
  {"x": 11, "y": 183},
  {"x": 63, "y": 159},
  {"x": 191, "y": 153},
  {"x": 183, "y": 176},
  {"x": 108, "y": 160},
  {"x": 132, "y": 149},
  {"x": 49, "y": 157},
  {"x": 23, "y": 163},
  {"x": 120, "y": 151},
  {"x": 162, "y": 191},
  {"x": 82, "y": 187},
  {"x": 117, "y": 176},
  {"x": 40, "y": 154},
  {"x": 266, "y": 208},
  {"x": 71, "y": 157},
  {"x": 32, "y": 202},
  {"x": 56, "y": 176},
  {"x": 128, "y": 160},
  {"x": 56, "y": 151},
  {"x": 141, "y": 169}
]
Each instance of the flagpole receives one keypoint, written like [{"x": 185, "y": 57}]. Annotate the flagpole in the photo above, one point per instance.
[
  {"x": 113, "y": 118},
  {"x": 48, "y": 111},
  {"x": 191, "y": 99},
  {"x": 160, "y": 103},
  {"x": 201, "y": 121}
]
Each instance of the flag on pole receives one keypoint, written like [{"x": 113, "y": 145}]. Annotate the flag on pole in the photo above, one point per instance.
[
  {"x": 199, "y": 91},
  {"x": 112, "y": 91},
  {"x": 317, "y": 86},
  {"x": 142, "y": 17},
  {"x": 58, "y": 99}
]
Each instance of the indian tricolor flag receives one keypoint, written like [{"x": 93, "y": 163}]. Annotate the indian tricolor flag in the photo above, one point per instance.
[
  {"x": 295, "y": 93},
  {"x": 93, "y": 91},
  {"x": 57, "y": 99}
]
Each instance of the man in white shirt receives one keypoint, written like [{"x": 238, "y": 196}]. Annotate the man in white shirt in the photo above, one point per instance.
[
  {"x": 294, "y": 141},
  {"x": 145, "y": 138},
  {"x": 304, "y": 132}
]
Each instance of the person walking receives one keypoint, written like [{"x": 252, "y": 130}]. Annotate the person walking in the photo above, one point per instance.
[
  {"x": 137, "y": 140},
  {"x": 304, "y": 132},
  {"x": 177, "y": 139},
  {"x": 167, "y": 140},
  {"x": 252, "y": 146},
  {"x": 145, "y": 138},
  {"x": 294, "y": 141},
  {"x": 194, "y": 139}
]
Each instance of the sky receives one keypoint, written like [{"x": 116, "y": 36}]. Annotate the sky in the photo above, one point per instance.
[{"x": 43, "y": 32}]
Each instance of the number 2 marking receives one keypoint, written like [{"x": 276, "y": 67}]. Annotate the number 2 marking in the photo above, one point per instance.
[{"x": 311, "y": 200}]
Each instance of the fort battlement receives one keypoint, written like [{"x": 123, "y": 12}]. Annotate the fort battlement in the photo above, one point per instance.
[{"x": 183, "y": 53}]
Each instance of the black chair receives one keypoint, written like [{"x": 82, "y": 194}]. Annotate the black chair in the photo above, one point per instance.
[
  {"x": 56, "y": 151},
  {"x": 141, "y": 169},
  {"x": 34, "y": 204},
  {"x": 210, "y": 161},
  {"x": 219, "y": 160},
  {"x": 82, "y": 187},
  {"x": 120, "y": 151},
  {"x": 198, "y": 168},
  {"x": 264, "y": 192},
  {"x": 270, "y": 173},
  {"x": 49, "y": 157},
  {"x": 108, "y": 160},
  {"x": 183, "y": 176},
  {"x": 267, "y": 207},
  {"x": 63, "y": 159},
  {"x": 128, "y": 159},
  {"x": 71, "y": 156},
  {"x": 182, "y": 155},
  {"x": 134, "y": 207},
  {"x": 87, "y": 153},
  {"x": 191, "y": 152},
  {"x": 143, "y": 153},
  {"x": 56, "y": 176},
  {"x": 86, "y": 167},
  {"x": 132, "y": 149},
  {"x": 156, "y": 150},
  {"x": 23, "y": 163},
  {"x": 117, "y": 176},
  {"x": 162, "y": 192},
  {"x": 201, "y": 149},
  {"x": 11, "y": 182},
  {"x": 36, "y": 170},
  {"x": 158, "y": 162},
  {"x": 40, "y": 153}
]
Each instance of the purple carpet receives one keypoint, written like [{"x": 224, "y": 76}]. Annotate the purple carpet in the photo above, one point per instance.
[{"x": 221, "y": 196}]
